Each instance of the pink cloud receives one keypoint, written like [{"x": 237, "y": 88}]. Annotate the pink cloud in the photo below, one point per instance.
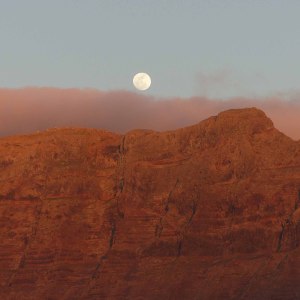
[{"x": 31, "y": 109}]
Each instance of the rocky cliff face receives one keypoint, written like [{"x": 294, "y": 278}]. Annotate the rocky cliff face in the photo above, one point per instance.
[{"x": 210, "y": 211}]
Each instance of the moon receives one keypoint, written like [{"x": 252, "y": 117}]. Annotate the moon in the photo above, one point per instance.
[{"x": 141, "y": 81}]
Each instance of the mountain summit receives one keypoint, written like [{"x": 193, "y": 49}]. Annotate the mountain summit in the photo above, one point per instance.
[{"x": 209, "y": 211}]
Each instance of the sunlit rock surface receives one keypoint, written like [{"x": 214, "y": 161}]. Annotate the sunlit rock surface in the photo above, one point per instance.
[{"x": 210, "y": 211}]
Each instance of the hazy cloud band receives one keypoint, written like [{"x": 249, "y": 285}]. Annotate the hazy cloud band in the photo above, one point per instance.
[{"x": 30, "y": 109}]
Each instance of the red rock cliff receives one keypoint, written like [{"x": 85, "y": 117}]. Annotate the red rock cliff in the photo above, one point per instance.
[{"x": 209, "y": 211}]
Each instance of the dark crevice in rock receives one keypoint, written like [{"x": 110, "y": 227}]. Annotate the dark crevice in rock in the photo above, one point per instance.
[
  {"x": 27, "y": 243},
  {"x": 120, "y": 175},
  {"x": 110, "y": 245},
  {"x": 289, "y": 227},
  {"x": 281, "y": 262},
  {"x": 119, "y": 189},
  {"x": 179, "y": 247},
  {"x": 170, "y": 195},
  {"x": 112, "y": 235},
  {"x": 281, "y": 234},
  {"x": 122, "y": 157},
  {"x": 231, "y": 213},
  {"x": 194, "y": 209},
  {"x": 185, "y": 228},
  {"x": 297, "y": 202},
  {"x": 159, "y": 227},
  {"x": 121, "y": 214},
  {"x": 97, "y": 268}
]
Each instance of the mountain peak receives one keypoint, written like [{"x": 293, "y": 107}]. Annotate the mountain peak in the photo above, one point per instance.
[
  {"x": 245, "y": 120},
  {"x": 195, "y": 212}
]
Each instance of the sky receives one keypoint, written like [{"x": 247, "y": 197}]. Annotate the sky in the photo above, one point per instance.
[
  {"x": 218, "y": 49},
  {"x": 71, "y": 62}
]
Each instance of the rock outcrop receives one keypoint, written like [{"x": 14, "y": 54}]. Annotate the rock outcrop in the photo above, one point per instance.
[{"x": 211, "y": 211}]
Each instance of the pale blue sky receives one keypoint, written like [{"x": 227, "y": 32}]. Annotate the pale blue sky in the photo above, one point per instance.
[{"x": 189, "y": 47}]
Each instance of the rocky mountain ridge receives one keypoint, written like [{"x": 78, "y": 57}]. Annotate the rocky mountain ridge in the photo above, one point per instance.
[{"x": 209, "y": 211}]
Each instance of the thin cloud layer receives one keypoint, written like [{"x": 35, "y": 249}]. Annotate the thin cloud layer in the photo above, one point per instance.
[{"x": 30, "y": 109}]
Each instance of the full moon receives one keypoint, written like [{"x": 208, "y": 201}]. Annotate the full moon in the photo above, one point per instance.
[{"x": 141, "y": 81}]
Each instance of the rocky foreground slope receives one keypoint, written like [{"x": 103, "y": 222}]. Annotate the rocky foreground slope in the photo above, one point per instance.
[{"x": 210, "y": 211}]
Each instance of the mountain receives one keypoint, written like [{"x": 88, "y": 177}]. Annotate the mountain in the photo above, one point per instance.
[{"x": 210, "y": 211}]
